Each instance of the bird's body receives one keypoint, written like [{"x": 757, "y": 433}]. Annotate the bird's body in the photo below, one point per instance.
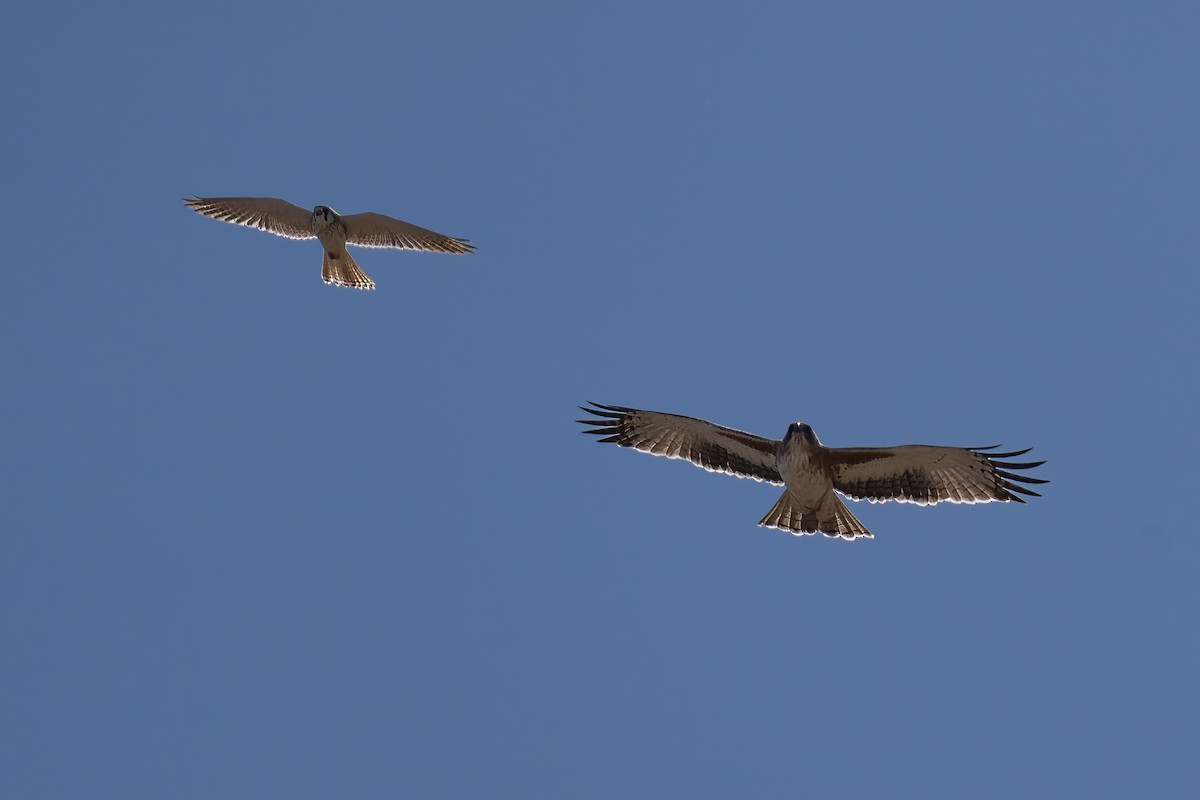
[
  {"x": 337, "y": 267},
  {"x": 329, "y": 228},
  {"x": 813, "y": 475},
  {"x": 799, "y": 466},
  {"x": 808, "y": 500},
  {"x": 332, "y": 230}
]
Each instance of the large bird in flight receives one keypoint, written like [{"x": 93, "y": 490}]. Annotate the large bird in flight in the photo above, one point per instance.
[
  {"x": 814, "y": 474},
  {"x": 282, "y": 218}
]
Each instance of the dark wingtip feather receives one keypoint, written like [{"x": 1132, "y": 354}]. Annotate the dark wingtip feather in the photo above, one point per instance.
[
  {"x": 622, "y": 409},
  {"x": 1022, "y": 478},
  {"x": 1016, "y": 465},
  {"x": 1012, "y": 487},
  {"x": 606, "y": 420},
  {"x": 605, "y": 414},
  {"x": 1011, "y": 454},
  {"x": 603, "y": 431}
]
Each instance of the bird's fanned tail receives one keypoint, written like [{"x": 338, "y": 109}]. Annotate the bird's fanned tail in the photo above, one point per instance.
[
  {"x": 340, "y": 269},
  {"x": 832, "y": 518}
]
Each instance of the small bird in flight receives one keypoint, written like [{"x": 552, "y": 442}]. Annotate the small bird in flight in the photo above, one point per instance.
[
  {"x": 813, "y": 474},
  {"x": 282, "y": 218}
]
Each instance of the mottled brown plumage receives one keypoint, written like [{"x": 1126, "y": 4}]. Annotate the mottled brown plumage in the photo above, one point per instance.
[{"x": 813, "y": 474}]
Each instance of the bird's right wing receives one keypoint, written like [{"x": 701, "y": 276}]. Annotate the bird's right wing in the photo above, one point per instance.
[
  {"x": 377, "y": 230},
  {"x": 268, "y": 214},
  {"x": 706, "y": 445},
  {"x": 923, "y": 474}
]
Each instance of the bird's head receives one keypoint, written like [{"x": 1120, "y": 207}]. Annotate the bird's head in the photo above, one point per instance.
[
  {"x": 804, "y": 431},
  {"x": 324, "y": 213}
]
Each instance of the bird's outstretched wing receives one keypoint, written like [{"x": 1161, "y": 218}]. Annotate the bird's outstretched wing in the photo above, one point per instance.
[
  {"x": 376, "y": 230},
  {"x": 922, "y": 474},
  {"x": 706, "y": 445},
  {"x": 268, "y": 214}
]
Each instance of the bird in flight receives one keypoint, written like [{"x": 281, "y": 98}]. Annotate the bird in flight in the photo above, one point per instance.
[
  {"x": 282, "y": 218},
  {"x": 813, "y": 475}
]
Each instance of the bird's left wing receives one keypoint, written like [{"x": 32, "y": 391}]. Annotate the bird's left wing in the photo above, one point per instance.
[
  {"x": 376, "y": 230},
  {"x": 706, "y": 445},
  {"x": 923, "y": 474},
  {"x": 268, "y": 214}
]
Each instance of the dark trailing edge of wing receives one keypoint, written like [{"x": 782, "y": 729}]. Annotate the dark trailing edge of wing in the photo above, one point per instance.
[{"x": 1007, "y": 478}]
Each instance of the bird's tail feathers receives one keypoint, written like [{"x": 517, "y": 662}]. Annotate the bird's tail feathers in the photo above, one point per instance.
[
  {"x": 831, "y": 518},
  {"x": 340, "y": 270}
]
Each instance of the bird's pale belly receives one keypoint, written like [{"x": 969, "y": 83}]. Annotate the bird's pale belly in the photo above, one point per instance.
[
  {"x": 332, "y": 235},
  {"x": 804, "y": 478}
]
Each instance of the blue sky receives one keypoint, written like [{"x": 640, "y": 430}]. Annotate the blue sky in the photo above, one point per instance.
[{"x": 268, "y": 538}]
